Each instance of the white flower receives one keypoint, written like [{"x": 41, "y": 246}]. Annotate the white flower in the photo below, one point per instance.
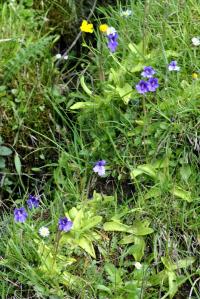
[
  {"x": 196, "y": 41},
  {"x": 137, "y": 265},
  {"x": 111, "y": 30},
  {"x": 65, "y": 57},
  {"x": 45, "y": 19},
  {"x": 58, "y": 56},
  {"x": 126, "y": 13},
  {"x": 44, "y": 231}
]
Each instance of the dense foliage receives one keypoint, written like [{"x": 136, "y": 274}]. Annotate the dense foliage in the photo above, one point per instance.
[{"x": 99, "y": 149}]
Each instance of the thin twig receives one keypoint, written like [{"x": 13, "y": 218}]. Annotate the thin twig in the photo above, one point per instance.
[
  {"x": 192, "y": 288},
  {"x": 79, "y": 34}
]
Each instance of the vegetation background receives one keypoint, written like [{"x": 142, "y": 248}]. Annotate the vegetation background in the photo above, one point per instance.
[{"x": 136, "y": 230}]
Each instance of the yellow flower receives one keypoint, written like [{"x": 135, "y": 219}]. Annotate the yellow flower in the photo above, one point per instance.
[
  {"x": 194, "y": 76},
  {"x": 103, "y": 27},
  {"x": 86, "y": 27}
]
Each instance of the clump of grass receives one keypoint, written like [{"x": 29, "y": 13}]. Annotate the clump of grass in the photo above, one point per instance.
[{"x": 114, "y": 124}]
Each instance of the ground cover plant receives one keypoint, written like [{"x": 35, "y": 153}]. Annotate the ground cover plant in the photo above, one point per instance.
[{"x": 99, "y": 149}]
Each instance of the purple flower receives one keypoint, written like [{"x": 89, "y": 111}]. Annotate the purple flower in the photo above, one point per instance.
[
  {"x": 64, "y": 224},
  {"x": 153, "y": 84},
  {"x": 20, "y": 215},
  {"x": 142, "y": 87},
  {"x": 33, "y": 202},
  {"x": 100, "y": 167},
  {"x": 173, "y": 66},
  {"x": 148, "y": 72},
  {"x": 112, "y": 41}
]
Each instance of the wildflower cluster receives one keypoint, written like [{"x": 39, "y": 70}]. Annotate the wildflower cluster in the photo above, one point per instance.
[
  {"x": 20, "y": 215},
  {"x": 110, "y": 32},
  {"x": 64, "y": 224},
  {"x": 147, "y": 86}
]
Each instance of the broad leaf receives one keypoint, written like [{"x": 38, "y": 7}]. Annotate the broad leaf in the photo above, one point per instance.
[
  {"x": 87, "y": 245},
  {"x": 153, "y": 192},
  {"x": 5, "y": 151},
  {"x": 127, "y": 240},
  {"x": 141, "y": 228},
  {"x": 104, "y": 289},
  {"x": 84, "y": 86},
  {"x": 137, "y": 250},
  {"x": 2, "y": 162},
  {"x": 137, "y": 68},
  {"x": 18, "y": 165},
  {"x": 82, "y": 105},
  {"x": 185, "y": 172},
  {"x": 181, "y": 193},
  {"x": 184, "y": 263},
  {"x": 77, "y": 223},
  {"x": 91, "y": 222},
  {"x": 125, "y": 92},
  {"x": 173, "y": 285},
  {"x": 116, "y": 226},
  {"x": 114, "y": 273},
  {"x": 144, "y": 169}
]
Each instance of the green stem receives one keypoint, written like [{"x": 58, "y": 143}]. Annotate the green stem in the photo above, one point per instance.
[{"x": 58, "y": 237}]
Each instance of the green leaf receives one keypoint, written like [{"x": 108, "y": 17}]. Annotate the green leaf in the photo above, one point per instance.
[
  {"x": 84, "y": 86},
  {"x": 185, "y": 172},
  {"x": 169, "y": 53},
  {"x": 137, "y": 68},
  {"x": 161, "y": 163},
  {"x": 173, "y": 285},
  {"x": 73, "y": 212},
  {"x": 69, "y": 280},
  {"x": 127, "y": 240},
  {"x": 2, "y": 162},
  {"x": 158, "y": 278},
  {"x": 125, "y": 92},
  {"x": 29, "y": 3},
  {"x": 132, "y": 290},
  {"x": 82, "y": 105},
  {"x": 114, "y": 273},
  {"x": 137, "y": 250},
  {"x": 167, "y": 263},
  {"x": 18, "y": 165},
  {"x": 147, "y": 169},
  {"x": 36, "y": 169},
  {"x": 116, "y": 226},
  {"x": 5, "y": 151},
  {"x": 153, "y": 192},
  {"x": 87, "y": 245},
  {"x": 136, "y": 49},
  {"x": 141, "y": 228},
  {"x": 104, "y": 289},
  {"x": 181, "y": 193},
  {"x": 77, "y": 223},
  {"x": 91, "y": 222},
  {"x": 135, "y": 172},
  {"x": 184, "y": 263}
]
